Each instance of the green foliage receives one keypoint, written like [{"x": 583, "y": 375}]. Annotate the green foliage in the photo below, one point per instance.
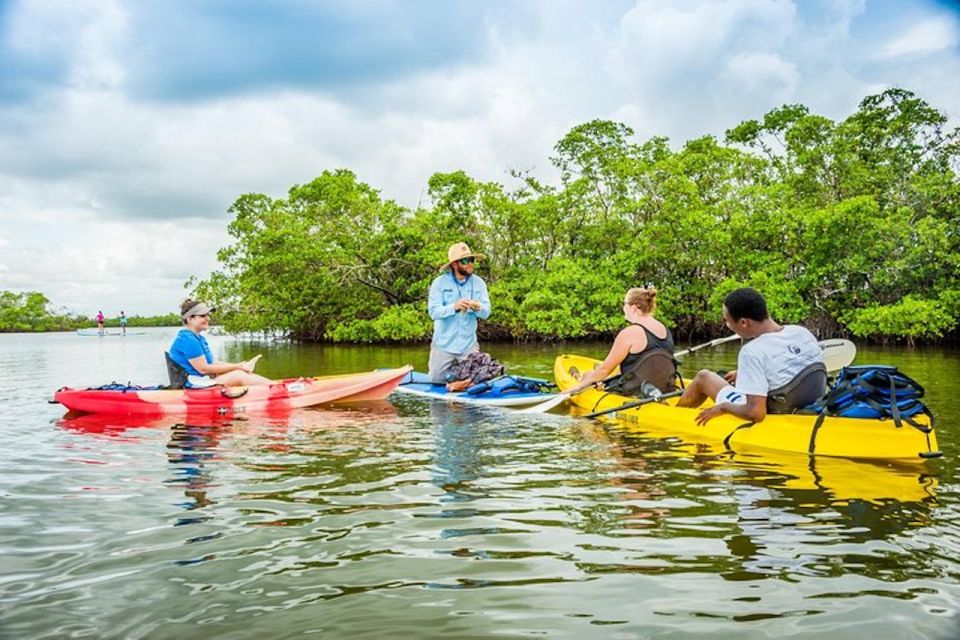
[
  {"x": 846, "y": 225},
  {"x": 910, "y": 318}
]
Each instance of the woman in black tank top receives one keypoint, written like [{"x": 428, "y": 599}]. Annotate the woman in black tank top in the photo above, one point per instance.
[{"x": 632, "y": 345}]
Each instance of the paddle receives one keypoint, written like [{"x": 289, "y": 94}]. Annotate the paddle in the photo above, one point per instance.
[
  {"x": 546, "y": 405},
  {"x": 635, "y": 403},
  {"x": 837, "y": 354}
]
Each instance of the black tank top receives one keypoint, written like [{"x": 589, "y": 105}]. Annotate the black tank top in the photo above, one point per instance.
[{"x": 653, "y": 342}]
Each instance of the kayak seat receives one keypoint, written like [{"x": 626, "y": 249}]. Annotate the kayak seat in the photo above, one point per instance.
[
  {"x": 177, "y": 374},
  {"x": 807, "y": 387},
  {"x": 655, "y": 367}
]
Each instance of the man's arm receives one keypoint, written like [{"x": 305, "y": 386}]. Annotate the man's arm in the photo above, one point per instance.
[
  {"x": 435, "y": 306},
  {"x": 755, "y": 410},
  {"x": 484, "y": 311}
]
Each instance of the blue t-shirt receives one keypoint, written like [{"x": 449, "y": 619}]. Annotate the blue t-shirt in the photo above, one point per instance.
[{"x": 189, "y": 345}]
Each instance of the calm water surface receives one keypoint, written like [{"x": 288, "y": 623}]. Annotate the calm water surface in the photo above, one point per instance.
[{"x": 413, "y": 519}]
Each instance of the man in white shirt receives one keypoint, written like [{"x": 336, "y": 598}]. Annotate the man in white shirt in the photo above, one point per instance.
[{"x": 772, "y": 358}]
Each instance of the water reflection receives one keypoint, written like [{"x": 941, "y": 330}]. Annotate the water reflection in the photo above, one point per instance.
[
  {"x": 778, "y": 515},
  {"x": 458, "y": 431},
  {"x": 108, "y": 425},
  {"x": 190, "y": 450}
]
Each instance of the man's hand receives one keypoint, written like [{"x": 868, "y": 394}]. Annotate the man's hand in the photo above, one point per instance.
[
  {"x": 461, "y": 305},
  {"x": 731, "y": 376},
  {"x": 707, "y": 415}
]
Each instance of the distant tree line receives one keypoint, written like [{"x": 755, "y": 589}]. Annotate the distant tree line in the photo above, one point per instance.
[
  {"x": 852, "y": 227},
  {"x": 30, "y": 311}
]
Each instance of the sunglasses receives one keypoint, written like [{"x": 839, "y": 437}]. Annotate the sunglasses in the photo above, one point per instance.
[
  {"x": 201, "y": 315},
  {"x": 466, "y": 260}
]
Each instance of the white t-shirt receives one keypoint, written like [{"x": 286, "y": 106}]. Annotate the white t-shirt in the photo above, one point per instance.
[{"x": 773, "y": 359}]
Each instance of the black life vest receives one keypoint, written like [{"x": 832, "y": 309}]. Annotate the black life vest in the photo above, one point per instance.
[{"x": 654, "y": 365}]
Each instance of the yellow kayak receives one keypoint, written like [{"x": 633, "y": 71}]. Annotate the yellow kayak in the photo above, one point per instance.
[{"x": 839, "y": 437}]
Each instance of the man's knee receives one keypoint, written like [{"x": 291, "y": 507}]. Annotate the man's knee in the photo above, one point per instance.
[{"x": 702, "y": 376}]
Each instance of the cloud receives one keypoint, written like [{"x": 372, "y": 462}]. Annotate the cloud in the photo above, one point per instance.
[
  {"x": 185, "y": 50},
  {"x": 929, "y": 36},
  {"x": 128, "y": 129}
]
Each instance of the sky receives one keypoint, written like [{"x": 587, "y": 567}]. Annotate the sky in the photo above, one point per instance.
[{"x": 127, "y": 129}]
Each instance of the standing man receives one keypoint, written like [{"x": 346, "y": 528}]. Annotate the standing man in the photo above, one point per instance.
[
  {"x": 457, "y": 298},
  {"x": 123, "y": 323}
]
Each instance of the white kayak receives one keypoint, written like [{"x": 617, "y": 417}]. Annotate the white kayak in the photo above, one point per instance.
[{"x": 505, "y": 391}]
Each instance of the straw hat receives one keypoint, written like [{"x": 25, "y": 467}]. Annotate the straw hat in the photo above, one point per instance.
[{"x": 459, "y": 251}]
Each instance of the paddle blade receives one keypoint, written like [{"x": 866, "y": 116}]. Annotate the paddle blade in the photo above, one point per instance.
[
  {"x": 838, "y": 353},
  {"x": 545, "y": 406}
]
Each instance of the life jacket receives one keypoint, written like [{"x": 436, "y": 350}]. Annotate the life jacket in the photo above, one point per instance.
[
  {"x": 875, "y": 391},
  {"x": 655, "y": 366},
  {"x": 807, "y": 387},
  {"x": 507, "y": 385}
]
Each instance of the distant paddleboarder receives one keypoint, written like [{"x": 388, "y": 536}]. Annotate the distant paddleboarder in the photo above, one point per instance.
[
  {"x": 100, "y": 320},
  {"x": 123, "y": 323}
]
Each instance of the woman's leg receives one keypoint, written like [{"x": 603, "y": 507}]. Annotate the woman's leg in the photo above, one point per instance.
[{"x": 241, "y": 379}]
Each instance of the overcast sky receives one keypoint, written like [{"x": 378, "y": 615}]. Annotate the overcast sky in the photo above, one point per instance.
[{"x": 128, "y": 128}]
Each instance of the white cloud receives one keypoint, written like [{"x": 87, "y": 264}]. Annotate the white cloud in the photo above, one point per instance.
[
  {"x": 929, "y": 36},
  {"x": 762, "y": 73},
  {"x": 110, "y": 200}
]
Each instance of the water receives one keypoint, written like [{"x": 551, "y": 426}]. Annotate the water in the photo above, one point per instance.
[{"x": 417, "y": 520}]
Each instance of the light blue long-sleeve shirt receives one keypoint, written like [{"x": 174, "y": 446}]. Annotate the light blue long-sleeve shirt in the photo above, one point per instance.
[{"x": 456, "y": 332}]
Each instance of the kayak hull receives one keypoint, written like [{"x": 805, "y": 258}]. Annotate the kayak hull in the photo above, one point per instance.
[
  {"x": 283, "y": 395},
  {"x": 837, "y": 437},
  {"x": 418, "y": 384}
]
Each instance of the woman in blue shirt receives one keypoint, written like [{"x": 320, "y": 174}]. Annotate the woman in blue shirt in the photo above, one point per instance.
[{"x": 191, "y": 351}]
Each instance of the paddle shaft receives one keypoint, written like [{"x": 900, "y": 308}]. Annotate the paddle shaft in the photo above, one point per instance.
[
  {"x": 545, "y": 406},
  {"x": 635, "y": 403}
]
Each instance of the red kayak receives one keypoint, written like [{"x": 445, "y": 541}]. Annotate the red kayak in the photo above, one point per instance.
[{"x": 283, "y": 395}]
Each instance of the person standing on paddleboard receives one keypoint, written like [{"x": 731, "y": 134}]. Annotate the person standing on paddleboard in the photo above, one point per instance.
[
  {"x": 100, "y": 320},
  {"x": 123, "y": 323},
  {"x": 191, "y": 352},
  {"x": 458, "y": 297},
  {"x": 778, "y": 361}
]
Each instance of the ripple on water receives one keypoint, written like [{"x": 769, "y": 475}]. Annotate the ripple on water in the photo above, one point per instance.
[{"x": 426, "y": 520}]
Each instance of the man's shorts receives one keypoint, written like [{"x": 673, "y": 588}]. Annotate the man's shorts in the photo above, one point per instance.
[
  {"x": 441, "y": 361},
  {"x": 731, "y": 395}
]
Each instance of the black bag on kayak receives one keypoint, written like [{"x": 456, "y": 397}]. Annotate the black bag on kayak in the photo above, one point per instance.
[
  {"x": 874, "y": 391},
  {"x": 477, "y": 366}
]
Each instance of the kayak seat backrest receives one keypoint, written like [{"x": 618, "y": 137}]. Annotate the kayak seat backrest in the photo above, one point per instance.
[
  {"x": 177, "y": 374},
  {"x": 657, "y": 367},
  {"x": 807, "y": 387}
]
